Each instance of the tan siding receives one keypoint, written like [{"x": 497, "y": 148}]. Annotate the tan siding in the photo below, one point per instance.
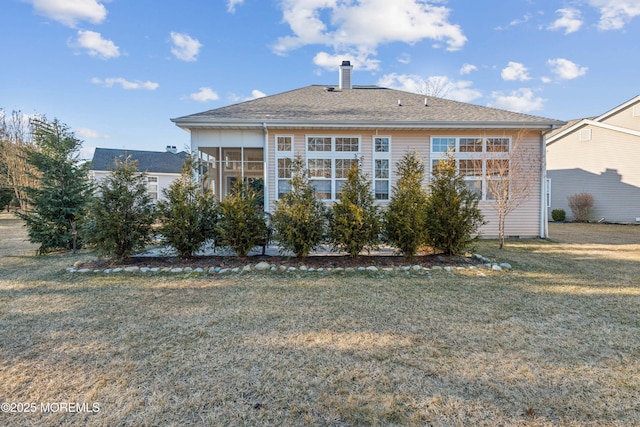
[
  {"x": 625, "y": 118},
  {"x": 606, "y": 167},
  {"x": 524, "y": 222}
]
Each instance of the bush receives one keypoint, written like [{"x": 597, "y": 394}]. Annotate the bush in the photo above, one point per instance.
[
  {"x": 452, "y": 216},
  {"x": 299, "y": 218},
  {"x": 354, "y": 223},
  {"x": 188, "y": 215},
  {"x": 404, "y": 221},
  {"x": 120, "y": 217},
  {"x": 558, "y": 215},
  {"x": 241, "y": 225},
  {"x": 581, "y": 205}
]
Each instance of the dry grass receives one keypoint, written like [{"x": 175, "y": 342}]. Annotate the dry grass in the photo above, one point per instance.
[{"x": 553, "y": 343}]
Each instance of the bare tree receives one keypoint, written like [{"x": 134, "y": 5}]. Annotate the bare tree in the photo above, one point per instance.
[
  {"x": 15, "y": 139},
  {"x": 512, "y": 174},
  {"x": 436, "y": 86}
]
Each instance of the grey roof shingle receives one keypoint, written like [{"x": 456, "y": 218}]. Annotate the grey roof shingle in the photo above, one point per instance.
[
  {"x": 148, "y": 161},
  {"x": 361, "y": 105}
]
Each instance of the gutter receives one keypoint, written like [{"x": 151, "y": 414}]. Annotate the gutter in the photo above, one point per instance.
[{"x": 544, "y": 214}]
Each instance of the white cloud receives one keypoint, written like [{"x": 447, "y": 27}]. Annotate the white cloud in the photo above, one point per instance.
[
  {"x": 125, "y": 84},
  {"x": 565, "y": 69},
  {"x": 359, "y": 60},
  {"x": 231, "y": 5},
  {"x": 362, "y": 26},
  {"x": 185, "y": 47},
  {"x": 69, "y": 12},
  {"x": 404, "y": 58},
  {"x": 515, "y": 71},
  {"x": 570, "y": 20},
  {"x": 442, "y": 86},
  {"x": 204, "y": 94},
  {"x": 96, "y": 45},
  {"x": 468, "y": 68},
  {"x": 523, "y": 101},
  {"x": 255, "y": 94},
  {"x": 615, "y": 14},
  {"x": 86, "y": 133}
]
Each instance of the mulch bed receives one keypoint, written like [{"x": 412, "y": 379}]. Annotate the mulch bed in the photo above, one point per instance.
[{"x": 312, "y": 261}]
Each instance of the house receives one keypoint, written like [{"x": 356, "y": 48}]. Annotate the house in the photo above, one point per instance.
[
  {"x": 161, "y": 167},
  {"x": 329, "y": 126},
  {"x": 599, "y": 156}
]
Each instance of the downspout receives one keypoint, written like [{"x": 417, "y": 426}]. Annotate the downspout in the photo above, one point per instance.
[
  {"x": 544, "y": 214},
  {"x": 265, "y": 157}
]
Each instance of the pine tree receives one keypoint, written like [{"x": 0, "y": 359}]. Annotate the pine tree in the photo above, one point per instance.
[
  {"x": 404, "y": 222},
  {"x": 452, "y": 216},
  {"x": 241, "y": 225},
  {"x": 120, "y": 217},
  {"x": 354, "y": 223},
  {"x": 299, "y": 217},
  {"x": 57, "y": 201},
  {"x": 188, "y": 215}
]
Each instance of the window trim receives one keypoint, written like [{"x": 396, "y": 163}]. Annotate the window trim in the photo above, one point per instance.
[
  {"x": 483, "y": 155},
  {"x": 381, "y": 155},
  {"x": 282, "y": 155},
  {"x": 331, "y": 155}
]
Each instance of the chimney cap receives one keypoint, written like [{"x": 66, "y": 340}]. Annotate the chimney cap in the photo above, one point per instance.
[{"x": 346, "y": 63}]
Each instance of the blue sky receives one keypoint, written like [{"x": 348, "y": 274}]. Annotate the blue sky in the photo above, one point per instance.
[{"x": 116, "y": 71}]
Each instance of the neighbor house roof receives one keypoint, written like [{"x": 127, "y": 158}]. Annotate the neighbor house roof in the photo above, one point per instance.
[
  {"x": 148, "y": 161},
  {"x": 359, "y": 107}
]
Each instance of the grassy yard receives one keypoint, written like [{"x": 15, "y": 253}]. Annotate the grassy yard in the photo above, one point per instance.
[{"x": 555, "y": 342}]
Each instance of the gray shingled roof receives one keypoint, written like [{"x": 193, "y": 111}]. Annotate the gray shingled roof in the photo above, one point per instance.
[
  {"x": 362, "y": 105},
  {"x": 148, "y": 161}
]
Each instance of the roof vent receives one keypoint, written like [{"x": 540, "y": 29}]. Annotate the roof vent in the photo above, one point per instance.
[
  {"x": 345, "y": 75},
  {"x": 330, "y": 89},
  {"x": 399, "y": 103},
  {"x": 426, "y": 102}
]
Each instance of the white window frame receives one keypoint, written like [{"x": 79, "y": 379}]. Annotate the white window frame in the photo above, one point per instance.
[
  {"x": 454, "y": 143},
  {"x": 331, "y": 155},
  {"x": 152, "y": 180},
  {"x": 283, "y": 155},
  {"x": 381, "y": 156}
]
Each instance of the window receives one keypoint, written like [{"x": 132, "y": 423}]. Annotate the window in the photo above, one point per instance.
[
  {"x": 152, "y": 187},
  {"x": 319, "y": 144},
  {"x": 470, "y": 145},
  {"x": 636, "y": 111},
  {"x": 381, "y": 167},
  {"x": 482, "y": 162},
  {"x": 328, "y": 161},
  {"x": 347, "y": 144},
  {"x": 495, "y": 145},
  {"x": 284, "y": 143},
  {"x": 443, "y": 145},
  {"x": 284, "y": 161}
]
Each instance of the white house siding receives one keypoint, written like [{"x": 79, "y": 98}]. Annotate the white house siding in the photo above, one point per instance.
[
  {"x": 625, "y": 118},
  {"x": 524, "y": 222},
  {"x": 606, "y": 166},
  {"x": 164, "y": 180}
]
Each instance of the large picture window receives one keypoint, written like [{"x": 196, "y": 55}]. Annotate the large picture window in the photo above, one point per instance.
[
  {"x": 328, "y": 161},
  {"x": 482, "y": 162}
]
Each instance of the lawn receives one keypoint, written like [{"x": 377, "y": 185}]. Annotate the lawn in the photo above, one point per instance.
[{"x": 554, "y": 342}]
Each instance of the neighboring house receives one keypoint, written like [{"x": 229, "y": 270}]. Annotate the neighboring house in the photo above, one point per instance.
[
  {"x": 328, "y": 126},
  {"x": 599, "y": 156},
  {"x": 161, "y": 167}
]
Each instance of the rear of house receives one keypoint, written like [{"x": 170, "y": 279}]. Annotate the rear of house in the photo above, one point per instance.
[
  {"x": 330, "y": 127},
  {"x": 599, "y": 156}
]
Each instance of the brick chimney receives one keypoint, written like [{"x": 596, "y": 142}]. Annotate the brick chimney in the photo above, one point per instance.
[{"x": 345, "y": 75}]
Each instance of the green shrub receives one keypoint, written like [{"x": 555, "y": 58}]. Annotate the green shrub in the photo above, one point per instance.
[
  {"x": 188, "y": 215},
  {"x": 354, "y": 223},
  {"x": 404, "y": 220},
  {"x": 299, "y": 217},
  {"x": 581, "y": 205},
  {"x": 452, "y": 216},
  {"x": 120, "y": 217},
  {"x": 241, "y": 224},
  {"x": 558, "y": 215}
]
